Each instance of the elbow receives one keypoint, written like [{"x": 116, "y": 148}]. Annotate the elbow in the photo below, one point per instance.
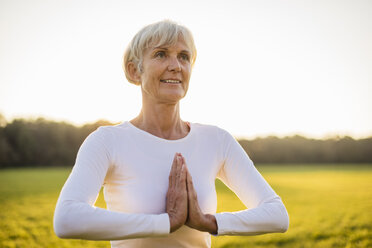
[
  {"x": 282, "y": 220},
  {"x": 277, "y": 216},
  {"x": 60, "y": 229},
  {"x": 283, "y": 226},
  {"x": 60, "y": 232},
  {"x": 61, "y": 226},
  {"x": 64, "y": 224}
]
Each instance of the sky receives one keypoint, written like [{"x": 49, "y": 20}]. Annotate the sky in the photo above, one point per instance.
[{"x": 264, "y": 67}]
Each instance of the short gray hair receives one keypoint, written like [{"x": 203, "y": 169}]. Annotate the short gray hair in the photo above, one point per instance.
[{"x": 157, "y": 34}]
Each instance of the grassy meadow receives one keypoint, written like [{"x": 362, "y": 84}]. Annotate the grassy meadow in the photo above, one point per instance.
[{"x": 329, "y": 206}]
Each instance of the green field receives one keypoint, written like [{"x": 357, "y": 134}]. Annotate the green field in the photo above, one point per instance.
[{"x": 329, "y": 206}]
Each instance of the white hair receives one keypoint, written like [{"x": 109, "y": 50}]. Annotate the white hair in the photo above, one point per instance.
[{"x": 157, "y": 34}]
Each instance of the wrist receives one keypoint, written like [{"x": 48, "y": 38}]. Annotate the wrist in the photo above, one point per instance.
[
  {"x": 174, "y": 223},
  {"x": 210, "y": 224}
]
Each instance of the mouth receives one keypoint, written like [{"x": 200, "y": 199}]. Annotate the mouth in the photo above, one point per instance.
[{"x": 171, "y": 81}]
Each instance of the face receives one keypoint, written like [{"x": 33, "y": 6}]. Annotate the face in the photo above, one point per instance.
[{"x": 166, "y": 72}]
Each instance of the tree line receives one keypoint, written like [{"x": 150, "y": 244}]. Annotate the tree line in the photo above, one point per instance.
[{"x": 41, "y": 142}]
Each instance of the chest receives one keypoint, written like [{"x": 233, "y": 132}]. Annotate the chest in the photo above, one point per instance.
[{"x": 138, "y": 181}]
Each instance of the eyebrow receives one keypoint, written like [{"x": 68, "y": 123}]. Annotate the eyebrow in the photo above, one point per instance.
[{"x": 165, "y": 48}]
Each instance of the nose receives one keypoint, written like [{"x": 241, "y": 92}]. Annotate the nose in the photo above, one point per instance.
[{"x": 174, "y": 64}]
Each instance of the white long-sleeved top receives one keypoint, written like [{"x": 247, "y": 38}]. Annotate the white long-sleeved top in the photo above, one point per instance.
[{"x": 133, "y": 167}]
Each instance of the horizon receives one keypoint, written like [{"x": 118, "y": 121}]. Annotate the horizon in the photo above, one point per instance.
[{"x": 263, "y": 136}]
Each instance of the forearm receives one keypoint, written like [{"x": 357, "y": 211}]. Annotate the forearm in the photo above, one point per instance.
[
  {"x": 268, "y": 217},
  {"x": 80, "y": 220}
]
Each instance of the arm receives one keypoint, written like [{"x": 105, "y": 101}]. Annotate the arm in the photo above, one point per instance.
[
  {"x": 75, "y": 215},
  {"x": 266, "y": 212}
]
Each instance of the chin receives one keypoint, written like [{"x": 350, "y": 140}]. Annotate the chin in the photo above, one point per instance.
[
  {"x": 174, "y": 96},
  {"x": 172, "y": 99}
]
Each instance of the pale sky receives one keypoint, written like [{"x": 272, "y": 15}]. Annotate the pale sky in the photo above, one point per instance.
[{"x": 263, "y": 67}]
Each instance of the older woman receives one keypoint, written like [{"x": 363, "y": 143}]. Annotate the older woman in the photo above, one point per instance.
[{"x": 158, "y": 171}]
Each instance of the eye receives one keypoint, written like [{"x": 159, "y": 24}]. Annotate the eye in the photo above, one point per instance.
[
  {"x": 160, "y": 54},
  {"x": 185, "y": 56}
]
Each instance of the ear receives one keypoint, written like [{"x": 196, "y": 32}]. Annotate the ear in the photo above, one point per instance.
[{"x": 133, "y": 73}]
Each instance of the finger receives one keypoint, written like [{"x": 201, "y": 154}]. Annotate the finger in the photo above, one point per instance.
[
  {"x": 182, "y": 180},
  {"x": 173, "y": 168},
  {"x": 179, "y": 162},
  {"x": 183, "y": 172},
  {"x": 189, "y": 178},
  {"x": 173, "y": 171},
  {"x": 184, "y": 169},
  {"x": 190, "y": 187},
  {"x": 183, "y": 161},
  {"x": 188, "y": 184},
  {"x": 178, "y": 171}
]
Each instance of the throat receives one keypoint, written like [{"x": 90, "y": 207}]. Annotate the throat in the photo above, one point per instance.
[{"x": 172, "y": 132}]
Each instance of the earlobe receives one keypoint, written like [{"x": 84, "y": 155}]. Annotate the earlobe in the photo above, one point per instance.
[{"x": 133, "y": 73}]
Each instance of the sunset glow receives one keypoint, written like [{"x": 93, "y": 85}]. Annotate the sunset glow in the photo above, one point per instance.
[{"x": 263, "y": 67}]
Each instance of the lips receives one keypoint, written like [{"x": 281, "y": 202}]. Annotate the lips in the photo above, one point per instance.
[{"x": 171, "y": 81}]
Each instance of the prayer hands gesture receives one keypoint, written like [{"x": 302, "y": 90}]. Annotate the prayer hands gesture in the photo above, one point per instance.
[
  {"x": 176, "y": 206},
  {"x": 182, "y": 203}
]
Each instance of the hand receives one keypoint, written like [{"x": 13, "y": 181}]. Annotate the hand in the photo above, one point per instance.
[
  {"x": 176, "y": 205},
  {"x": 196, "y": 219}
]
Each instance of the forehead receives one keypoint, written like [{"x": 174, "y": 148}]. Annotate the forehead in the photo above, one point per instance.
[
  {"x": 179, "y": 43},
  {"x": 179, "y": 46}
]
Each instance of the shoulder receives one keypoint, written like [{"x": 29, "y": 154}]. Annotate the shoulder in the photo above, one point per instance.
[
  {"x": 212, "y": 131},
  {"x": 107, "y": 134},
  {"x": 111, "y": 130}
]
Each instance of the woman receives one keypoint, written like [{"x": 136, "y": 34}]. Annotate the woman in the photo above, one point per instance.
[{"x": 158, "y": 171}]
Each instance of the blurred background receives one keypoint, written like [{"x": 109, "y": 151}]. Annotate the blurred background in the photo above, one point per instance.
[
  {"x": 291, "y": 80},
  {"x": 263, "y": 67}
]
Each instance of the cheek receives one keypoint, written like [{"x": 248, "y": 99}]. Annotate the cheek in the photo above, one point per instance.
[
  {"x": 148, "y": 75},
  {"x": 187, "y": 71}
]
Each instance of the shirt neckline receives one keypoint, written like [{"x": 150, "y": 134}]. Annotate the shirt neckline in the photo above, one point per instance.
[{"x": 143, "y": 132}]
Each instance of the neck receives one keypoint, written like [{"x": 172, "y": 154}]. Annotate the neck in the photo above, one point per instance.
[{"x": 161, "y": 119}]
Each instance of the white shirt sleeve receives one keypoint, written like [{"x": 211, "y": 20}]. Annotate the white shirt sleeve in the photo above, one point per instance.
[
  {"x": 265, "y": 211},
  {"x": 75, "y": 215}
]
